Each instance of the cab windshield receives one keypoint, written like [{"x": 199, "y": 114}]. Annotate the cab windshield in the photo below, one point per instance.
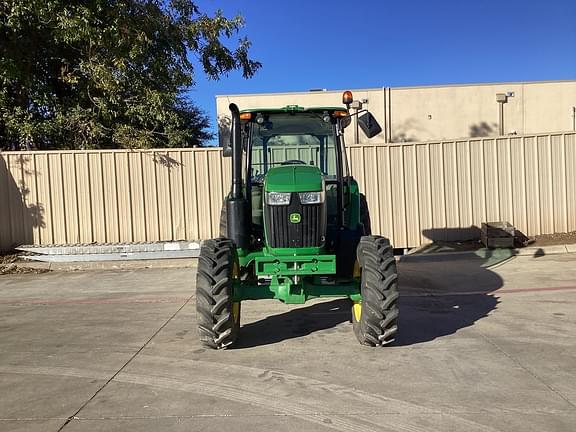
[{"x": 292, "y": 138}]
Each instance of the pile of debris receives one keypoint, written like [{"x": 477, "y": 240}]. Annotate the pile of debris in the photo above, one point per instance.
[{"x": 11, "y": 264}]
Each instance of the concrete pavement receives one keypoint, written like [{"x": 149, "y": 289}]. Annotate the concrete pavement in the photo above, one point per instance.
[{"x": 479, "y": 350}]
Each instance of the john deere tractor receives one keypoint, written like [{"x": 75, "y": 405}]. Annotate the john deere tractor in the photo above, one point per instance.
[{"x": 293, "y": 226}]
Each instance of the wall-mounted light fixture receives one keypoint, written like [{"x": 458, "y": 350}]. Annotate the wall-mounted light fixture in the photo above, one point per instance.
[{"x": 501, "y": 97}]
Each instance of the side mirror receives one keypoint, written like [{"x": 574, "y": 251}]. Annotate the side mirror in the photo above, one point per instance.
[
  {"x": 345, "y": 122},
  {"x": 369, "y": 125},
  {"x": 225, "y": 135}
]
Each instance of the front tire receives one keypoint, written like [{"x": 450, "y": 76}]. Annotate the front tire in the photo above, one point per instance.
[
  {"x": 375, "y": 319},
  {"x": 218, "y": 315}
]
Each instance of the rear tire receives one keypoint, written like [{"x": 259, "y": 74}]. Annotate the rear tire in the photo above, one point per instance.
[
  {"x": 224, "y": 221},
  {"x": 218, "y": 315},
  {"x": 365, "y": 215},
  {"x": 375, "y": 319}
]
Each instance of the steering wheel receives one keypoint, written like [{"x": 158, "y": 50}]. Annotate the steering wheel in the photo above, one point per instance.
[{"x": 293, "y": 162}]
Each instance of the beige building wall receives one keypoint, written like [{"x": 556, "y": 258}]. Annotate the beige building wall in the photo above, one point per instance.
[
  {"x": 409, "y": 114},
  {"x": 417, "y": 192}
]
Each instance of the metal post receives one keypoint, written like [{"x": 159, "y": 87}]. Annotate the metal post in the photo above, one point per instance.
[
  {"x": 356, "y": 106},
  {"x": 501, "y": 98},
  {"x": 501, "y": 121},
  {"x": 385, "y": 115},
  {"x": 356, "y": 134}
]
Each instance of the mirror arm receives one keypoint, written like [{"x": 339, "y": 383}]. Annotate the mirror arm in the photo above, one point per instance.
[{"x": 362, "y": 111}]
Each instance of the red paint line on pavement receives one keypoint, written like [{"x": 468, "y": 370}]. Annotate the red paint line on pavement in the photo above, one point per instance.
[
  {"x": 176, "y": 300},
  {"x": 95, "y": 301},
  {"x": 488, "y": 292},
  {"x": 513, "y": 290}
]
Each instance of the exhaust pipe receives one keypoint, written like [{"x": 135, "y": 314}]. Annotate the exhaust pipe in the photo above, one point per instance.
[
  {"x": 237, "y": 208},
  {"x": 236, "y": 138}
]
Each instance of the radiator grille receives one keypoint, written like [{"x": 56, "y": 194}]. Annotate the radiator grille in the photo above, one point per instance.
[{"x": 281, "y": 233}]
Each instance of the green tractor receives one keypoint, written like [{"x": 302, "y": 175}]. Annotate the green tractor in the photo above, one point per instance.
[{"x": 294, "y": 226}]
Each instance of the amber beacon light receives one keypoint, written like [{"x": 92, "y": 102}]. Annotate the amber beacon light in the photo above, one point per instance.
[{"x": 347, "y": 97}]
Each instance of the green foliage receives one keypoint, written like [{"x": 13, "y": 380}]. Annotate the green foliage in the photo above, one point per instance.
[{"x": 109, "y": 73}]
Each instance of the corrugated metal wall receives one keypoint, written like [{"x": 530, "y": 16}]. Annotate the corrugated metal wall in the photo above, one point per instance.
[
  {"x": 110, "y": 196},
  {"x": 439, "y": 190},
  {"x": 416, "y": 191}
]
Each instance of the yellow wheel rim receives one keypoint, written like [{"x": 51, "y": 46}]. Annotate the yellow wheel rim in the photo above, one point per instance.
[
  {"x": 236, "y": 311},
  {"x": 357, "y": 311},
  {"x": 236, "y": 305},
  {"x": 357, "y": 271}
]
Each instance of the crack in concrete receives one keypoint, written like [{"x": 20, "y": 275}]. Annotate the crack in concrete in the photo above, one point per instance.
[
  {"x": 73, "y": 416},
  {"x": 527, "y": 370},
  {"x": 284, "y": 405}
]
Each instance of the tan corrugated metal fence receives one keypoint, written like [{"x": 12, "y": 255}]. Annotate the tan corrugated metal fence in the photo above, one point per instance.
[
  {"x": 110, "y": 196},
  {"x": 438, "y": 190},
  {"x": 416, "y": 191}
]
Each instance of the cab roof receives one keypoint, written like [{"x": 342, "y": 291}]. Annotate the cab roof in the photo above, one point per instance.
[{"x": 292, "y": 109}]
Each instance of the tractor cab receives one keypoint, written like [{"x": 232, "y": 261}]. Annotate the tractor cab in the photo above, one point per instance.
[{"x": 296, "y": 171}]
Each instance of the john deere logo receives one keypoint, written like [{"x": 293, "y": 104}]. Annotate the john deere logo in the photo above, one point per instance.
[{"x": 295, "y": 218}]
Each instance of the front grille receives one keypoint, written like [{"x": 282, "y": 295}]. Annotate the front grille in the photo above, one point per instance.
[{"x": 281, "y": 233}]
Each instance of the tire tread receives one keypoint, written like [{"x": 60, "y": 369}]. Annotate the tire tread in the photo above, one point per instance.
[
  {"x": 214, "y": 289},
  {"x": 378, "y": 324}
]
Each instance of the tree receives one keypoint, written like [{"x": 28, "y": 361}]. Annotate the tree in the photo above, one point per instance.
[{"x": 109, "y": 73}]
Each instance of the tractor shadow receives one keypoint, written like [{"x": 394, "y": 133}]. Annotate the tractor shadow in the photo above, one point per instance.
[
  {"x": 441, "y": 295},
  {"x": 295, "y": 323}
]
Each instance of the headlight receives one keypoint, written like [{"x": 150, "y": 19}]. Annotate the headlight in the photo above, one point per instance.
[
  {"x": 311, "y": 197},
  {"x": 278, "y": 198}
]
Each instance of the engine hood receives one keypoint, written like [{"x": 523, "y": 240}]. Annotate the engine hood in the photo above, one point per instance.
[{"x": 294, "y": 178}]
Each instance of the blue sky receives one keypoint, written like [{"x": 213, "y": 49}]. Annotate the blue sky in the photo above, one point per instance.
[{"x": 346, "y": 44}]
